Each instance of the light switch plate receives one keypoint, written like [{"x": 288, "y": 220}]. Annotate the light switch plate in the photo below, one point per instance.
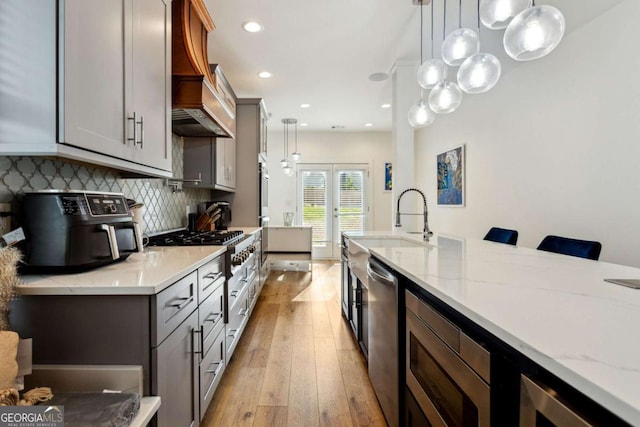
[{"x": 5, "y": 222}]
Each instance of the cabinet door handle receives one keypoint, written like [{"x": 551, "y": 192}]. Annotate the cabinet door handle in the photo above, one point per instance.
[
  {"x": 183, "y": 302},
  {"x": 213, "y": 276},
  {"x": 141, "y": 123},
  {"x": 201, "y": 333},
  {"x": 135, "y": 130},
  {"x": 215, "y": 318},
  {"x": 216, "y": 371},
  {"x": 243, "y": 312}
]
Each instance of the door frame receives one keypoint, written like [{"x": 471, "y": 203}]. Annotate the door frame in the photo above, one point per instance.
[{"x": 332, "y": 195}]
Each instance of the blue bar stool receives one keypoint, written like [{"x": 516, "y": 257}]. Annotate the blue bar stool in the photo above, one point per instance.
[
  {"x": 573, "y": 247},
  {"x": 502, "y": 235}
]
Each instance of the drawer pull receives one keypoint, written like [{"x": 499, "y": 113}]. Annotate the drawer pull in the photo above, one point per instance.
[
  {"x": 232, "y": 333},
  {"x": 183, "y": 302},
  {"x": 234, "y": 293},
  {"x": 243, "y": 312},
  {"x": 216, "y": 371},
  {"x": 214, "y": 317},
  {"x": 214, "y": 276}
]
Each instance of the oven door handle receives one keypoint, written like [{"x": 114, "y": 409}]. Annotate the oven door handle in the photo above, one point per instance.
[{"x": 379, "y": 273}]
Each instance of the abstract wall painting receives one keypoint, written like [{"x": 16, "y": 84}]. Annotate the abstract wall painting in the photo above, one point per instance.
[
  {"x": 388, "y": 184},
  {"x": 450, "y": 177}
]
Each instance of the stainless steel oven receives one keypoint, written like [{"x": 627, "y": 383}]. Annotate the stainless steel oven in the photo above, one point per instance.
[{"x": 447, "y": 372}]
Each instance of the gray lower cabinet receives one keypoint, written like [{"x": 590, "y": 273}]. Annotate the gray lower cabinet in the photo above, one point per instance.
[
  {"x": 175, "y": 366},
  {"x": 177, "y": 336}
]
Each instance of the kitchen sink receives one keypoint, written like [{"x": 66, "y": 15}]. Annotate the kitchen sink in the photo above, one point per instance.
[{"x": 387, "y": 242}]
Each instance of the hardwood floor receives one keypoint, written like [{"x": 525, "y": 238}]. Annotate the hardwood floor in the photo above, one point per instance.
[{"x": 296, "y": 363}]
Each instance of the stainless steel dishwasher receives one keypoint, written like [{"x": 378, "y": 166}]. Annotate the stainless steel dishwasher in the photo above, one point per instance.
[{"x": 383, "y": 338}]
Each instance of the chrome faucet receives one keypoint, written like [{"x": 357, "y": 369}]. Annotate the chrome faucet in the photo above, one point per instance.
[{"x": 426, "y": 233}]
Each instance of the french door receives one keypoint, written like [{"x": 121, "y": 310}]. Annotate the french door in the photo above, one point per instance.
[{"x": 332, "y": 199}]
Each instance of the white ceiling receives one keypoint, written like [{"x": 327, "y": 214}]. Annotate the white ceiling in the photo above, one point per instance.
[{"x": 322, "y": 52}]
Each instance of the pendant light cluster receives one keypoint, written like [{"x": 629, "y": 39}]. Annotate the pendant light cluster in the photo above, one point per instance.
[
  {"x": 531, "y": 33},
  {"x": 287, "y": 162}
]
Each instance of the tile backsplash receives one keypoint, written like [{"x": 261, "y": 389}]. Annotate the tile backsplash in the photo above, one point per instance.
[{"x": 164, "y": 209}]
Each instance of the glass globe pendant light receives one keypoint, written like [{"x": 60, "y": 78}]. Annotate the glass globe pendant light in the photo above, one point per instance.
[
  {"x": 420, "y": 115},
  {"x": 496, "y": 14},
  {"x": 432, "y": 71},
  {"x": 534, "y": 33},
  {"x": 479, "y": 73},
  {"x": 445, "y": 98},
  {"x": 460, "y": 44}
]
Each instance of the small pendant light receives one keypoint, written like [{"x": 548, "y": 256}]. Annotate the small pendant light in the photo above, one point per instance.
[
  {"x": 445, "y": 98},
  {"x": 419, "y": 114},
  {"x": 460, "y": 44},
  {"x": 286, "y": 165},
  {"x": 496, "y": 14},
  {"x": 534, "y": 33},
  {"x": 295, "y": 156},
  {"x": 479, "y": 73},
  {"x": 432, "y": 71}
]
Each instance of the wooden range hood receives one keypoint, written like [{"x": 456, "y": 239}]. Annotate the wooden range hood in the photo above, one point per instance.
[{"x": 203, "y": 102}]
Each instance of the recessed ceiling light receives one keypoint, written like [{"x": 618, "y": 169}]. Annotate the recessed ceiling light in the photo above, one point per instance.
[
  {"x": 264, "y": 74},
  {"x": 385, "y": 106},
  {"x": 304, "y": 124},
  {"x": 378, "y": 77},
  {"x": 368, "y": 124},
  {"x": 251, "y": 26},
  {"x": 305, "y": 105}
]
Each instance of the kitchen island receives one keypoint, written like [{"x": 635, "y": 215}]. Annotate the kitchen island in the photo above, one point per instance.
[{"x": 555, "y": 310}]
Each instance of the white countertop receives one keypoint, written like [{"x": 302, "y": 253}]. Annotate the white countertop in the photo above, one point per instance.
[
  {"x": 555, "y": 309},
  {"x": 145, "y": 273}
]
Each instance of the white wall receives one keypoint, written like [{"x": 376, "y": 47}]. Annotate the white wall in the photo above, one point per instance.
[
  {"x": 372, "y": 148},
  {"x": 554, "y": 148}
]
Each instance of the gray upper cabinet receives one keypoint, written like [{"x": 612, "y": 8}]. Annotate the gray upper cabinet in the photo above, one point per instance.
[
  {"x": 251, "y": 134},
  {"x": 112, "y": 68},
  {"x": 225, "y": 164},
  {"x": 212, "y": 160}
]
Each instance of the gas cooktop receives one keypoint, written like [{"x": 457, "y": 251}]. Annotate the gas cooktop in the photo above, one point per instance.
[{"x": 196, "y": 238}]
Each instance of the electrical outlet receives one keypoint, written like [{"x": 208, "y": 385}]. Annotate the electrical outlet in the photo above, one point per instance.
[{"x": 5, "y": 221}]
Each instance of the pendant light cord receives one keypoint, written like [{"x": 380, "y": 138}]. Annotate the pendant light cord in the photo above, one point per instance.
[
  {"x": 460, "y": 14},
  {"x": 432, "y": 28},
  {"x": 296, "y": 135},
  {"x": 421, "y": 4},
  {"x": 444, "y": 19}
]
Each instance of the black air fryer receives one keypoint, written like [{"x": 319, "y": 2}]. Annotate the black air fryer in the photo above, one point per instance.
[{"x": 70, "y": 231}]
